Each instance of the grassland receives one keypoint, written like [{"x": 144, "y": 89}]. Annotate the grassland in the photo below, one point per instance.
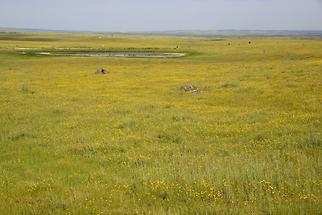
[{"x": 132, "y": 141}]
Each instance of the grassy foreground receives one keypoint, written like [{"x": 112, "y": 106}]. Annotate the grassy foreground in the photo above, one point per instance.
[{"x": 132, "y": 141}]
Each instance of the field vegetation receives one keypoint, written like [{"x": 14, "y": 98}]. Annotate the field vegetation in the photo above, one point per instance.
[{"x": 234, "y": 127}]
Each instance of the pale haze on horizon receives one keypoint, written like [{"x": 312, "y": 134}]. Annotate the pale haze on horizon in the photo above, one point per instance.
[{"x": 159, "y": 15}]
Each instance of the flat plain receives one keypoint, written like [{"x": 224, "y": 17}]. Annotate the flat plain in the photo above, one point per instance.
[{"x": 234, "y": 127}]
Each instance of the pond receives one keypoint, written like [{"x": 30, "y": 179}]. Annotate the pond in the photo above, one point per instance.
[{"x": 116, "y": 54}]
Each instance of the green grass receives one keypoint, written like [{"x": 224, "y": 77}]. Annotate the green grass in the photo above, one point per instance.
[{"x": 247, "y": 142}]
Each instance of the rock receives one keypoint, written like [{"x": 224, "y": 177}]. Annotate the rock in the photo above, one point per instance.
[
  {"x": 189, "y": 88},
  {"x": 102, "y": 71}
]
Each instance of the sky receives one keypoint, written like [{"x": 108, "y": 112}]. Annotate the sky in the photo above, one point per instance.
[{"x": 161, "y": 15}]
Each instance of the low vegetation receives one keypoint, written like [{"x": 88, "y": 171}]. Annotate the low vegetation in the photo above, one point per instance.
[{"x": 227, "y": 129}]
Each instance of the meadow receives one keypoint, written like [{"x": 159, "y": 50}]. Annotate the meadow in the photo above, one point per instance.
[{"x": 246, "y": 141}]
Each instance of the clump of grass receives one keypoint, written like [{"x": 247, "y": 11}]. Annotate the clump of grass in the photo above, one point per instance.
[
  {"x": 21, "y": 136},
  {"x": 312, "y": 140},
  {"x": 230, "y": 85},
  {"x": 167, "y": 138},
  {"x": 27, "y": 89}
]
